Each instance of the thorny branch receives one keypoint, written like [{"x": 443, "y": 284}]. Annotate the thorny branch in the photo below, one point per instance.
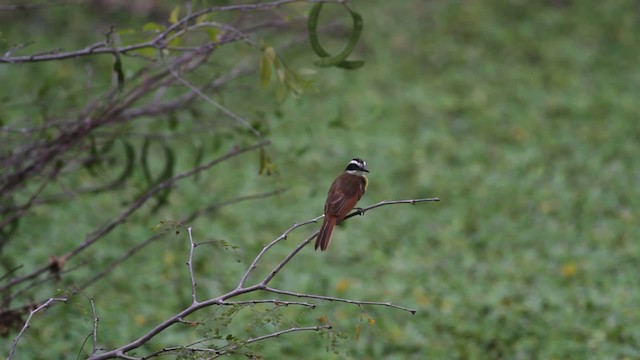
[{"x": 196, "y": 305}]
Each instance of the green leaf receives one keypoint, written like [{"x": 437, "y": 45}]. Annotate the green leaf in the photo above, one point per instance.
[
  {"x": 266, "y": 66},
  {"x": 270, "y": 53},
  {"x": 266, "y": 165},
  {"x": 292, "y": 84},
  {"x": 127, "y": 171},
  {"x": 213, "y": 33},
  {"x": 338, "y": 60},
  {"x": 281, "y": 94},
  {"x": 281, "y": 72},
  {"x": 167, "y": 171},
  {"x": 117, "y": 67},
  {"x": 177, "y": 41},
  {"x": 173, "y": 17}
]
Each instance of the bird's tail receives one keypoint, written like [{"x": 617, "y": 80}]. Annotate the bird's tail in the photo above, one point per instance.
[{"x": 324, "y": 236}]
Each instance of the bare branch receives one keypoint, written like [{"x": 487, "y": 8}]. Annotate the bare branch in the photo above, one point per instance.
[
  {"x": 278, "y": 333},
  {"x": 232, "y": 348},
  {"x": 390, "y": 202},
  {"x": 276, "y": 302},
  {"x": 111, "y": 266},
  {"x": 98, "y": 234},
  {"x": 190, "y": 265},
  {"x": 331, "y": 298},
  {"x": 45, "y": 305},
  {"x": 268, "y": 246},
  {"x": 262, "y": 286},
  {"x": 95, "y": 325},
  {"x": 217, "y": 105},
  {"x": 159, "y": 41}
]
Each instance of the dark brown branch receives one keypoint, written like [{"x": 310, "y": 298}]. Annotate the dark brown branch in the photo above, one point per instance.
[
  {"x": 98, "y": 234},
  {"x": 160, "y": 41}
]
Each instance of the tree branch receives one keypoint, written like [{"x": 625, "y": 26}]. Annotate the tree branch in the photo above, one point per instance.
[
  {"x": 159, "y": 41},
  {"x": 331, "y": 298},
  {"x": 98, "y": 234},
  {"x": 45, "y": 305},
  {"x": 262, "y": 286}
]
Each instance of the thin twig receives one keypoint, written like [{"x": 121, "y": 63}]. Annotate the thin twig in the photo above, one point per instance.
[
  {"x": 276, "y": 302},
  {"x": 27, "y": 323},
  {"x": 111, "y": 266},
  {"x": 278, "y": 333},
  {"x": 331, "y": 298},
  {"x": 265, "y": 248},
  {"x": 94, "y": 333},
  {"x": 95, "y": 325},
  {"x": 241, "y": 289},
  {"x": 208, "y": 99},
  {"x": 190, "y": 265},
  {"x": 390, "y": 202},
  {"x": 98, "y": 234},
  {"x": 284, "y": 262},
  {"x": 159, "y": 41},
  {"x": 233, "y": 347}
]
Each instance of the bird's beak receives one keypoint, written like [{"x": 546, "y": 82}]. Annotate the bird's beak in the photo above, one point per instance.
[{"x": 364, "y": 168}]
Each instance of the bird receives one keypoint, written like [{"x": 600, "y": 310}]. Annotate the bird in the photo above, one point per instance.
[{"x": 344, "y": 193}]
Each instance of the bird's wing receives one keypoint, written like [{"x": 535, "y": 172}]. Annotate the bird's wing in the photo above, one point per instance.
[{"x": 343, "y": 196}]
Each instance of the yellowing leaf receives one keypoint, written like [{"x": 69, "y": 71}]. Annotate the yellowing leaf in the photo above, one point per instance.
[
  {"x": 282, "y": 73},
  {"x": 266, "y": 66},
  {"x": 173, "y": 17},
  {"x": 342, "y": 285},
  {"x": 569, "y": 269},
  {"x": 372, "y": 321},
  {"x": 270, "y": 53}
]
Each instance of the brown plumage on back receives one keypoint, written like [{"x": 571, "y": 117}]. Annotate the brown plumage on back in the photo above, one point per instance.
[{"x": 344, "y": 193}]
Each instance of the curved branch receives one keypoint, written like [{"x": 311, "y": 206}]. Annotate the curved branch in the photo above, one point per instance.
[
  {"x": 122, "y": 351},
  {"x": 160, "y": 41},
  {"x": 100, "y": 233},
  {"x": 45, "y": 305}
]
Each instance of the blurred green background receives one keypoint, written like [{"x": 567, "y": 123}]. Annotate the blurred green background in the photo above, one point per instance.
[{"x": 521, "y": 116}]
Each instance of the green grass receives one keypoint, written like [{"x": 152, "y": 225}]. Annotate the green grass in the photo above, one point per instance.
[{"x": 522, "y": 117}]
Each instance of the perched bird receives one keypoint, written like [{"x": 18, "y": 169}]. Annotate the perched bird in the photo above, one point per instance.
[{"x": 344, "y": 193}]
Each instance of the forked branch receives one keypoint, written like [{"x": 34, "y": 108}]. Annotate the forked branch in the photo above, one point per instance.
[{"x": 241, "y": 288}]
